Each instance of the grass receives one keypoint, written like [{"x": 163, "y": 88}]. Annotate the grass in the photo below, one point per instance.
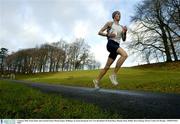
[
  {"x": 20, "y": 101},
  {"x": 162, "y": 77}
]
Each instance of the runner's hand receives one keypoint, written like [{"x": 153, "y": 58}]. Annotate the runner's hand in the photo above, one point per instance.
[{"x": 124, "y": 29}]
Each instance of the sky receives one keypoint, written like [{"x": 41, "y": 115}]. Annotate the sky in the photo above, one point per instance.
[{"x": 29, "y": 23}]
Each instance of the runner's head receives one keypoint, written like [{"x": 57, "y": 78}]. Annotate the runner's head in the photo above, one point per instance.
[{"x": 116, "y": 15}]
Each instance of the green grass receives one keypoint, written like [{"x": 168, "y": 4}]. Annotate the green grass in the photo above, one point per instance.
[
  {"x": 20, "y": 101},
  {"x": 163, "y": 77}
]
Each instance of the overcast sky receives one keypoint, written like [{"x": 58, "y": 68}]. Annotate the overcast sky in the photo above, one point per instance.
[{"x": 28, "y": 23}]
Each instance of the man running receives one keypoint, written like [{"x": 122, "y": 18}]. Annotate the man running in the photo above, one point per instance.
[{"x": 114, "y": 34}]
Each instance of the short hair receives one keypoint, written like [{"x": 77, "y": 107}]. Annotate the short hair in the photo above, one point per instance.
[{"x": 114, "y": 13}]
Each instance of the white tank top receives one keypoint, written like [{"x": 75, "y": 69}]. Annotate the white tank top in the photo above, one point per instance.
[{"x": 117, "y": 29}]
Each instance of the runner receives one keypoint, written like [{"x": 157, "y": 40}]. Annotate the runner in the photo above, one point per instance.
[{"x": 114, "y": 33}]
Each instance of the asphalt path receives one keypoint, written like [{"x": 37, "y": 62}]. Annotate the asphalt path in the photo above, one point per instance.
[{"x": 130, "y": 104}]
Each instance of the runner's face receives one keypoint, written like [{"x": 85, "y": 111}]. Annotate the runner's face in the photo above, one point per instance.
[{"x": 117, "y": 17}]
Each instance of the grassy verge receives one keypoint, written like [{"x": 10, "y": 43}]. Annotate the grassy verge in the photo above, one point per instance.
[
  {"x": 19, "y": 101},
  {"x": 154, "y": 78}
]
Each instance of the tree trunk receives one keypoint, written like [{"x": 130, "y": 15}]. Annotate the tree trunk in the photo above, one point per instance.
[
  {"x": 165, "y": 42},
  {"x": 172, "y": 45}
]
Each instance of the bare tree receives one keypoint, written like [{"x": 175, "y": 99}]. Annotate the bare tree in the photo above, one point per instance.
[
  {"x": 78, "y": 54},
  {"x": 57, "y": 56},
  {"x": 154, "y": 28}
]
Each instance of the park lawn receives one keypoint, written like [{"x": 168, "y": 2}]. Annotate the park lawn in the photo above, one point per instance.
[
  {"x": 163, "y": 77},
  {"x": 20, "y": 101}
]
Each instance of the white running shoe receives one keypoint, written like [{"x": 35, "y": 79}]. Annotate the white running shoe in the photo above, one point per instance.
[
  {"x": 96, "y": 84},
  {"x": 113, "y": 79}
]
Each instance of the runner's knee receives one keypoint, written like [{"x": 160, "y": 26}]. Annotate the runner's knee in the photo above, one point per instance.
[
  {"x": 121, "y": 52},
  {"x": 125, "y": 55}
]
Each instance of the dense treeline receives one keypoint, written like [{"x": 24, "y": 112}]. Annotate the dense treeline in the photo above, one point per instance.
[{"x": 53, "y": 57}]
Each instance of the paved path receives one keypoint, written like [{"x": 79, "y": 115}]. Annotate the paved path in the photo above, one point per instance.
[{"x": 130, "y": 104}]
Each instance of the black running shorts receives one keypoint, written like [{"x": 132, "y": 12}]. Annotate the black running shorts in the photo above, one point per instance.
[{"x": 112, "y": 47}]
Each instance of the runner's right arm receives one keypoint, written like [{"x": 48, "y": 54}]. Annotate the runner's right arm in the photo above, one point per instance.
[{"x": 105, "y": 27}]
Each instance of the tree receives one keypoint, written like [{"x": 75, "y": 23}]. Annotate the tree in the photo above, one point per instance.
[
  {"x": 57, "y": 56},
  {"x": 3, "y": 55},
  {"x": 78, "y": 53},
  {"x": 156, "y": 27}
]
